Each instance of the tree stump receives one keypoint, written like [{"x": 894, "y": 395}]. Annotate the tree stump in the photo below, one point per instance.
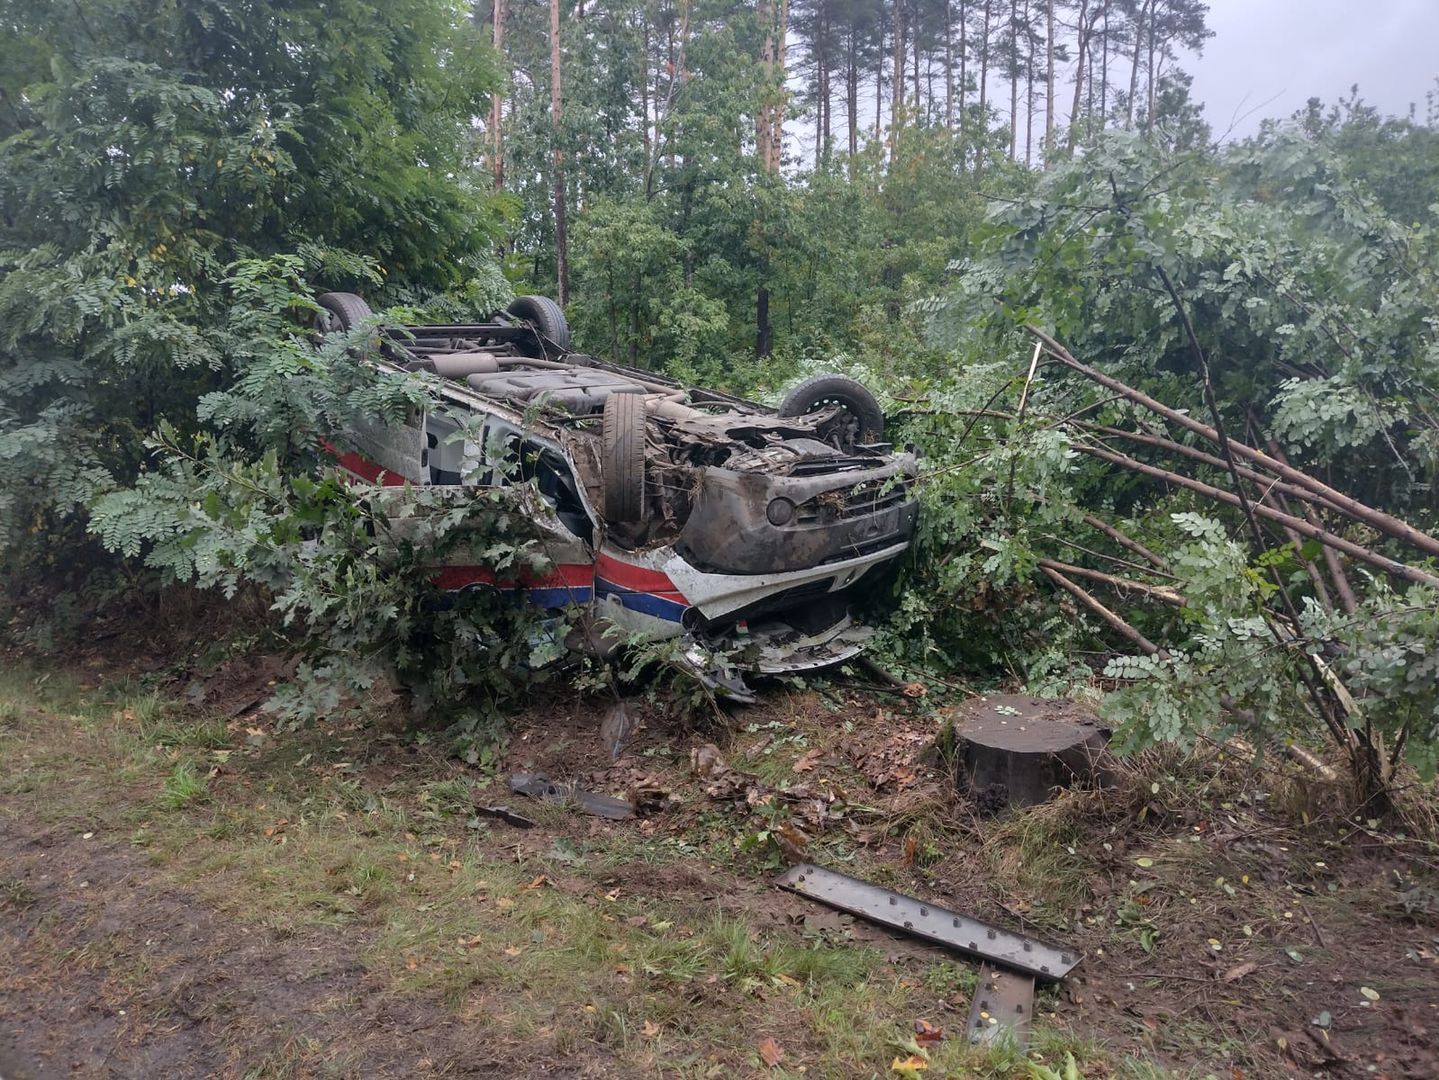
[{"x": 1014, "y": 750}]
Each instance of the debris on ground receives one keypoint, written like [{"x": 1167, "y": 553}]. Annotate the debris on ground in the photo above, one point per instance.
[
  {"x": 810, "y": 808},
  {"x": 1003, "y": 1006},
  {"x": 615, "y": 729},
  {"x": 929, "y": 921},
  {"x": 505, "y": 814},
  {"x": 538, "y": 786}
]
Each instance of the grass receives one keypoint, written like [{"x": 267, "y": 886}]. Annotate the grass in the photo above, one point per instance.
[
  {"x": 185, "y": 785},
  {"x": 522, "y": 939}
]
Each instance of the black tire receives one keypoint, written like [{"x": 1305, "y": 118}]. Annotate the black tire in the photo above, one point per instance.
[
  {"x": 821, "y": 390},
  {"x": 340, "y": 311},
  {"x": 622, "y": 457},
  {"x": 546, "y": 315}
]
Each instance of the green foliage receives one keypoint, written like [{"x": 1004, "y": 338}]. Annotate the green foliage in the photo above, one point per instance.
[
  {"x": 146, "y": 149},
  {"x": 1316, "y": 312}
]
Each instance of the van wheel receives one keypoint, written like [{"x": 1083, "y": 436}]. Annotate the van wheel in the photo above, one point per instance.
[
  {"x": 622, "y": 453},
  {"x": 820, "y": 391},
  {"x": 546, "y": 315},
  {"x": 340, "y": 311}
]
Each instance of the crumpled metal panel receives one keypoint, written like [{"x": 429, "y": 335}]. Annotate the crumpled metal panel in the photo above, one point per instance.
[{"x": 930, "y": 921}]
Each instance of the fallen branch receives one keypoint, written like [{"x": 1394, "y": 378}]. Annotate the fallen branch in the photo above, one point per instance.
[
  {"x": 1385, "y": 523},
  {"x": 1163, "y": 595},
  {"x": 1118, "y": 624},
  {"x": 1347, "y": 599},
  {"x": 1304, "y": 528},
  {"x": 1126, "y": 542},
  {"x": 1266, "y": 484}
]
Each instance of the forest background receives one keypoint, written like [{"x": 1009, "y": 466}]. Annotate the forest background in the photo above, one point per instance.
[{"x": 177, "y": 181}]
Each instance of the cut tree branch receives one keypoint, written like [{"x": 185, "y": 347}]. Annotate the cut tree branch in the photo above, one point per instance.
[
  {"x": 1163, "y": 595},
  {"x": 1385, "y": 523},
  {"x": 1304, "y": 528},
  {"x": 1124, "y": 541},
  {"x": 1119, "y": 625}
]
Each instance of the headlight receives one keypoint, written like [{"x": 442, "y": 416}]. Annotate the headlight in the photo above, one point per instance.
[{"x": 780, "y": 512}]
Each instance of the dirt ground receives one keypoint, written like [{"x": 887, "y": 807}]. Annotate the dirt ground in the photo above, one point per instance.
[{"x": 185, "y": 891}]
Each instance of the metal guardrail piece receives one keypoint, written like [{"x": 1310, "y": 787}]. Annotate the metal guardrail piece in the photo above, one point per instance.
[
  {"x": 1003, "y": 1005},
  {"x": 929, "y": 921}
]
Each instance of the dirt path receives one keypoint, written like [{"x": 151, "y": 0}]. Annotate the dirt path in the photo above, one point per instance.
[{"x": 110, "y": 974}]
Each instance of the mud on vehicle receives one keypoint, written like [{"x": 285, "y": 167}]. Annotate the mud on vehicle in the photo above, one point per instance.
[{"x": 668, "y": 511}]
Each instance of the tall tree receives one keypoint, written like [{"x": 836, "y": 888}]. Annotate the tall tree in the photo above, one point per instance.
[
  {"x": 1048, "y": 81},
  {"x": 985, "y": 6},
  {"x": 1089, "y": 12},
  {"x": 1142, "y": 21},
  {"x": 562, "y": 270},
  {"x": 949, "y": 65},
  {"x": 497, "y": 102},
  {"x": 896, "y": 108}
]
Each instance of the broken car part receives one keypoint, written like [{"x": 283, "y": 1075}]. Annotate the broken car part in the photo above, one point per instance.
[
  {"x": 505, "y": 814},
  {"x": 1003, "y": 1006},
  {"x": 615, "y": 728},
  {"x": 542, "y": 787},
  {"x": 929, "y": 921}
]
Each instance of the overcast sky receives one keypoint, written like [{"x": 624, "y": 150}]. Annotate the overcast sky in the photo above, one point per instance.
[{"x": 1268, "y": 57}]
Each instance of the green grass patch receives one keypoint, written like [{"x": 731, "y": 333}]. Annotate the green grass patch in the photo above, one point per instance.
[{"x": 185, "y": 785}]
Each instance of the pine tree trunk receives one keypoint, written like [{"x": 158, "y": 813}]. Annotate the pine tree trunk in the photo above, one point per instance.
[
  {"x": 1149, "y": 114},
  {"x": 879, "y": 77},
  {"x": 896, "y": 108},
  {"x": 823, "y": 62},
  {"x": 1104, "y": 71},
  {"x": 497, "y": 133},
  {"x": 1013, "y": 78},
  {"x": 762, "y": 135},
  {"x": 1139, "y": 30},
  {"x": 963, "y": 59},
  {"x": 562, "y": 270},
  {"x": 930, "y": 110},
  {"x": 914, "y": 40},
  {"x": 948, "y": 66},
  {"x": 1081, "y": 56},
  {"x": 1048, "y": 82},
  {"x": 1028, "y": 90},
  {"x": 983, "y": 84},
  {"x": 851, "y": 89},
  {"x": 777, "y": 122},
  {"x": 1089, "y": 95},
  {"x": 645, "y": 106}
]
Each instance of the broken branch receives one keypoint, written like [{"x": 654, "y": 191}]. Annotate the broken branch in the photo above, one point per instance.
[
  {"x": 1304, "y": 528},
  {"x": 1118, "y": 624},
  {"x": 1385, "y": 523},
  {"x": 1124, "y": 541},
  {"x": 1166, "y": 596}
]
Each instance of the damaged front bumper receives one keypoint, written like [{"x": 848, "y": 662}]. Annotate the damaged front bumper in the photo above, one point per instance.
[{"x": 772, "y": 647}]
